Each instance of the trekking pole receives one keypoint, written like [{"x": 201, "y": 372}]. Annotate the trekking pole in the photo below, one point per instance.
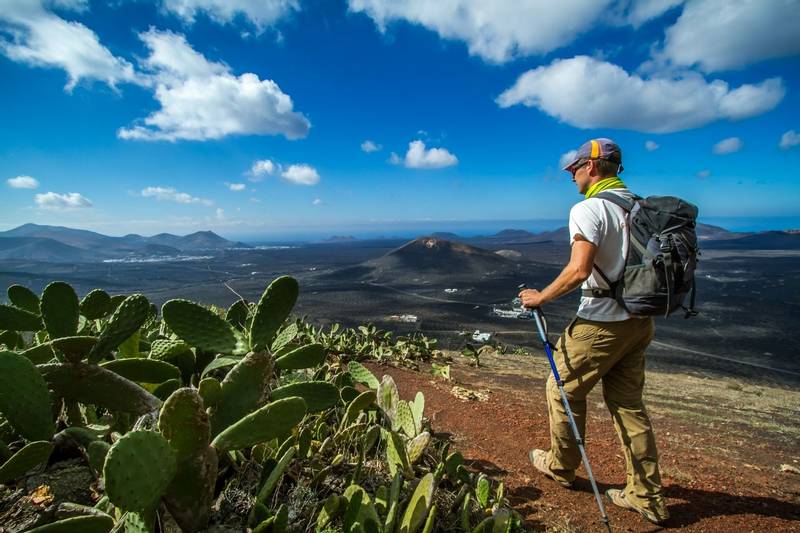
[{"x": 541, "y": 325}]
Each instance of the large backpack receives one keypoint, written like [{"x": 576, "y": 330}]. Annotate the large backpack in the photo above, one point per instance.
[{"x": 661, "y": 259}]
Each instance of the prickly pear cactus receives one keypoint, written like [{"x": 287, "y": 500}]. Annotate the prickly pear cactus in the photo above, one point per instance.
[
  {"x": 16, "y": 319},
  {"x": 404, "y": 420},
  {"x": 139, "y": 468},
  {"x": 94, "y": 523},
  {"x": 318, "y": 395},
  {"x": 164, "y": 349},
  {"x": 388, "y": 397},
  {"x": 75, "y": 348},
  {"x": 286, "y": 335},
  {"x": 190, "y": 496},
  {"x": 238, "y": 314},
  {"x": 416, "y": 446},
  {"x": 273, "y": 309},
  {"x": 304, "y": 357},
  {"x": 360, "y": 403},
  {"x": 24, "y": 298},
  {"x": 244, "y": 389},
  {"x": 419, "y": 505},
  {"x": 396, "y": 456},
  {"x": 199, "y": 326},
  {"x": 96, "y": 304},
  {"x": 362, "y": 374},
  {"x": 210, "y": 390},
  {"x": 91, "y": 384},
  {"x": 29, "y": 457},
  {"x": 124, "y": 322},
  {"x": 271, "y": 421},
  {"x": 60, "y": 310},
  {"x": 143, "y": 370},
  {"x": 184, "y": 423},
  {"x": 24, "y": 398},
  {"x": 417, "y": 409}
]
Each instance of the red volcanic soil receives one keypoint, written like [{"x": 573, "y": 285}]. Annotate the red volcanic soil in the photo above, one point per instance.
[{"x": 721, "y": 473}]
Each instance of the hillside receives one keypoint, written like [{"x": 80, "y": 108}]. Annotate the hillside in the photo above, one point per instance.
[
  {"x": 431, "y": 258},
  {"x": 62, "y": 244}
]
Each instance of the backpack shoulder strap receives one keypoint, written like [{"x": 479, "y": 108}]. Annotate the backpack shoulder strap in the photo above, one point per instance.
[{"x": 624, "y": 203}]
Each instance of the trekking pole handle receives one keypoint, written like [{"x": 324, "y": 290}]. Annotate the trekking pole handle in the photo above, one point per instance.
[{"x": 541, "y": 325}]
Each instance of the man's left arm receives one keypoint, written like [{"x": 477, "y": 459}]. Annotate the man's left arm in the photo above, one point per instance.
[{"x": 578, "y": 269}]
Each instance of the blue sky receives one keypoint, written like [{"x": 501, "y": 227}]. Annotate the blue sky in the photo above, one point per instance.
[{"x": 277, "y": 117}]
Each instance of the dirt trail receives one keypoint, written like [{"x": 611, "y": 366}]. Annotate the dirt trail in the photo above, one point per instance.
[{"x": 722, "y": 442}]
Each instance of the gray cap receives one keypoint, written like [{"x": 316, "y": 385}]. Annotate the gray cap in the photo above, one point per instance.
[{"x": 601, "y": 148}]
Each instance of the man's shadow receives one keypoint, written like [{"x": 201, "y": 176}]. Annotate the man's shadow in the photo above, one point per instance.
[{"x": 692, "y": 506}]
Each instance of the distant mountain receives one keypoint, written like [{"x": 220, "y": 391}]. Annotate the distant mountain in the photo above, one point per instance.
[
  {"x": 340, "y": 238},
  {"x": 765, "y": 240},
  {"x": 514, "y": 234},
  {"x": 709, "y": 232},
  {"x": 58, "y": 243},
  {"x": 446, "y": 235}
]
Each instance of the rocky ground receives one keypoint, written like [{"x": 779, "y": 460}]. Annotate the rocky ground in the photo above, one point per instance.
[{"x": 729, "y": 448}]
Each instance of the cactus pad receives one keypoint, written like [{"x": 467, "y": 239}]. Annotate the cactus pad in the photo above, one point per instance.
[
  {"x": 190, "y": 496},
  {"x": 39, "y": 354},
  {"x": 418, "y": 506},
  {"x": 275, "y": 475},
  {"x": 164, "y": 349},
  {"x": 74, "y": 348},
  {"x": 244, "y": 389},
  {"x": 101, "y": 523},
  {"x": 124, "y": 322},
  {"x": 318, "y": 395},
  {"x": 184, "y": 423},
  {"x": 417, "y": 409},
  {"x": 29, "y": 457},
  {"x": 60, "y": 310},
  {"x": 24, "y": 298},
  {"x": 210, "y": 390},
  {"x": 143, "y": 370},
  {"x": 91, "y": 384},
  {"x": 286, "y": 335},
  {"x": 97, "y": 451},
  {"x": 237, "y": 314},
  {"x": 16, "y": 319},
  {"x": 274, "y": 307},
  {"x": 271, "y": 421},
  {"x": 416, "y": 446},
  {"x": 96, "y": 304},
  {"x": 24, "y": 398},
  {"x": 388, "y": 397},
  {"x": 199, "y": 326},
  {"x": 482, "y": 491},
  {"x": 361, "y": 374},
  {"x": 307, "y": 356},
  {"x": 360, "y": 403},
  {"x": 396, "y": 453},
  {"x": 404, "y": 420},
  {"x": 139, "y": 468}
]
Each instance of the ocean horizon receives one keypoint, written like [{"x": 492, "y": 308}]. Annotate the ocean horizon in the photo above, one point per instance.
[{"x": 474, "y": 228}]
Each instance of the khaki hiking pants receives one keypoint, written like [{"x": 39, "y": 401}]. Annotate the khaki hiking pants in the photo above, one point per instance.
[{"x": 587, "y": 352}]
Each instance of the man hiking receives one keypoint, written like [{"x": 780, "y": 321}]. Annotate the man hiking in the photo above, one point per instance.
[{"x": 603, "y": 342}]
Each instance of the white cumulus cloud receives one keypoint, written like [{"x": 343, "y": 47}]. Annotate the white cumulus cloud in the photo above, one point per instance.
[
  {"x": 651, "y": 146},
  {"x": 789, "y": 139},
  {"x": 703, "y": 174},
  {"x": 202, "y": 99},
  {"x": 588, "y": 93},
  {"x": 58, "y": 202},
  {"x": 261, "y": 13},
  {"x": 640, "y": 11},
  {"x": 418, "y": 156},
  {"x": 369, "y": 146},
  {"x": 496, "y": 31},
  {"x": 31, "y": 34},
  {"x": 173, "y": 195},
  {"x": 23, "y": 182},
  {"x": 261, "y": 168},
  {"x": 317, "y": 201},
  {"x": 236, "y": 187},
  {"x": 301, "y": 174},
  {"x": 220, "y": 214},
  {"x": 728, "y": 146},
  {"x": 720, "y": 35}
]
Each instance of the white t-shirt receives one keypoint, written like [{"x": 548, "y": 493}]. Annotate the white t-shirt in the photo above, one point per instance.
[{"x": 605, "y": 225}]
